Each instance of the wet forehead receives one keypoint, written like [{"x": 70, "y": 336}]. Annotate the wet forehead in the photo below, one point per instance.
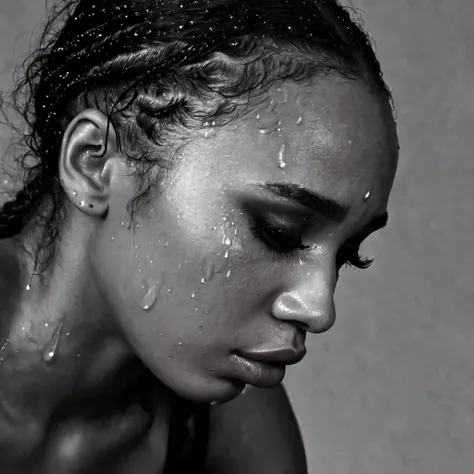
[{"x": 332, "y": 131}]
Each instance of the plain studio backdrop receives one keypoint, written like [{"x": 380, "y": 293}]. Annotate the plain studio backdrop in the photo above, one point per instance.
[{"x": 390, "y": 389}]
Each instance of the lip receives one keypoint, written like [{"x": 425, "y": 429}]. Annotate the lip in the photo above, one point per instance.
[
  {"x": 257, "y": 373},
  {"x": 285, "y": 356},
  {"x": 265, "y": 368}
]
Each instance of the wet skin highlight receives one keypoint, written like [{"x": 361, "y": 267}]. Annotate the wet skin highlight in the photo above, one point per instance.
[{"x": 237, "y": 257}]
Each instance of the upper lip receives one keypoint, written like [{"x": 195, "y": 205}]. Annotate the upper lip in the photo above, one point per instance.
[{"x": 285, "y": 356}]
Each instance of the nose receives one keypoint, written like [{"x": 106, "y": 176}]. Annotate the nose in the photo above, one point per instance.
[{"x": 309, "y": 303}]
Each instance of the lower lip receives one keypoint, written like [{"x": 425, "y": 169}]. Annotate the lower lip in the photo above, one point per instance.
[{"x": 257, "y": 373}]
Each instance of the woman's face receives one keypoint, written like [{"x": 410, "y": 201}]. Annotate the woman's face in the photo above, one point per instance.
[{"x": 240, "y": 254}]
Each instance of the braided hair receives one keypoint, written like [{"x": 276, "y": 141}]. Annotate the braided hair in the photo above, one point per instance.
[{"x": 162, "y": 67}]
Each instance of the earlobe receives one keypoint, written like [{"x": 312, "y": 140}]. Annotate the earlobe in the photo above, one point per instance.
[{"x": 89, "y": 145}]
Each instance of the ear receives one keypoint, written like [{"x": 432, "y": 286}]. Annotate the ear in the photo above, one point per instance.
[{"x": 89, "y": 158}]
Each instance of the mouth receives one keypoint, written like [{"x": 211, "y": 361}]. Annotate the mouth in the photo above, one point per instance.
[
  {"x": 285, "y": 356},
  {"x": 265, "y": 369}
]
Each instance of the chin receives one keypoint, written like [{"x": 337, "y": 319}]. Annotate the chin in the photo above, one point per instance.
[{"x": 210, "y": 392}]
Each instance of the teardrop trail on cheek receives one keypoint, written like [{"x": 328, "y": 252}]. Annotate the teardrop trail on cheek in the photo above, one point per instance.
[
  {"x": 281, "y": 156},
  {"x": 208, "y": 270},
  {"x": 51, "y": 349},
  {"x": 151, "y": 294}
]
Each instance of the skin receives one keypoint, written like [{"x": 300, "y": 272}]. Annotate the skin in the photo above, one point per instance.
[{"x": 344, "y": 145}]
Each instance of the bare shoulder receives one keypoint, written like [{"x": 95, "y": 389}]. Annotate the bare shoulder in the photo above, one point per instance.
[{"x": 257, "y": 432}]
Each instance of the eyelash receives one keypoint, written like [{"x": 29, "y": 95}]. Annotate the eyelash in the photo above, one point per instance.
[{"x": 286, "y": 244}]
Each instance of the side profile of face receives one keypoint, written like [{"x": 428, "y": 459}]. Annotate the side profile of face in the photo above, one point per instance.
[{"x": 238, "y": 257}]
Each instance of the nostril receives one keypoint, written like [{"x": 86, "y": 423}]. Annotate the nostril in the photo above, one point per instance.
[{"x": 301, "y": 326}]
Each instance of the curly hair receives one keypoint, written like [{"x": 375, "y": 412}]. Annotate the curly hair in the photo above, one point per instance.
[{"x": 159, "y": 68}]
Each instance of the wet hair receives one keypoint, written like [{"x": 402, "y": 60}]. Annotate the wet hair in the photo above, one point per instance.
[{"x": 157, "y": 69}]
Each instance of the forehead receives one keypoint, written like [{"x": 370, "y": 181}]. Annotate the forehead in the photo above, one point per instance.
[{"x": 333, "y": 136}]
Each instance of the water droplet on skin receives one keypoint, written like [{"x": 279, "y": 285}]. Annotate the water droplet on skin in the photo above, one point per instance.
[
  {"x": 208, "y": 270},
  {"x": 245, "y": 390},
  {"x": 228, "y": 274},
  {"x": 298, "y": 101},
  {"x": 4, "y": 345},
  {"x": 213, "y": 403},
  {"x": 227, "y": 241},
  {"x": 151, "y": 294},
  {"x": 28, "y": 287},
  {"x": 82, "y": 204},
  {"x": 281, "y": 156},
  {"x": 161, "y": 334},
  {"x": 211, "y": 132},
  {"x": 180, "y": 343},
  {"x": 226, "y": 255},
  {"x": 299, "y": 121},
  {"x": 266, "y": 131},
  {"x": 193, "y": 295},
  {"x": 46, "y": 324},
  {"x": 349, "y": 142},
  {"x": 50, "y": 351}
]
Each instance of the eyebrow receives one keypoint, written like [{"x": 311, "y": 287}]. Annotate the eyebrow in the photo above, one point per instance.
[
  {"x": 297, "y": 194},
  {"x": 330, "y": 209}
]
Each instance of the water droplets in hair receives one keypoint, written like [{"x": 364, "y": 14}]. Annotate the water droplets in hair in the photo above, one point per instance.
[
  {"x": 150, "y": 296},
  {"x": 51, "y": 349}
]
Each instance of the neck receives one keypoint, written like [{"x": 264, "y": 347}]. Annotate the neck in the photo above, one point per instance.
[{"x": 67, "y": 327}]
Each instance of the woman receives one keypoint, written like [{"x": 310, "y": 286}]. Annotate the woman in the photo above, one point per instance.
[{"x": 198, "y": 172}]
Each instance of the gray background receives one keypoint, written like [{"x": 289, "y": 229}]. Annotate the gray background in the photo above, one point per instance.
[{"x": 390, "y": 389}]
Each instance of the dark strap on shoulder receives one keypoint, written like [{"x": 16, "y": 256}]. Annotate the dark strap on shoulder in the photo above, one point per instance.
[{"x": 188, "y": 437}]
